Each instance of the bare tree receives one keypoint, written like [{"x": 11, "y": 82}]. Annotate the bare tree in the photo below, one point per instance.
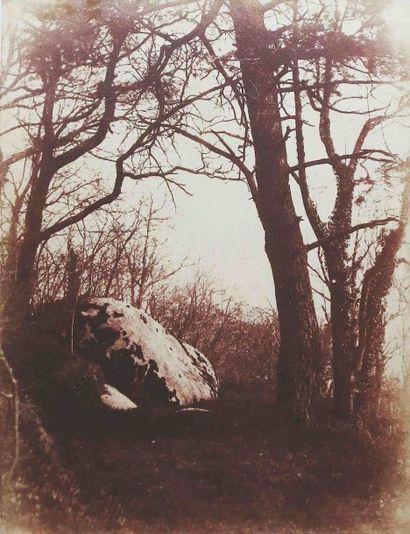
[
  {"x": 118, "y": 254},
  {"x": 338, "y": 85},
  {"x": 299, "y": 59},
  {"x": 62, "y": 90},
  {"x": 377, "y": 281}
]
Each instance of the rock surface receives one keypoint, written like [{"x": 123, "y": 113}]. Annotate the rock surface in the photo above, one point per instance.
[
  {"x": 115, "y": 400},
  {"x": 140, "y": 359}
]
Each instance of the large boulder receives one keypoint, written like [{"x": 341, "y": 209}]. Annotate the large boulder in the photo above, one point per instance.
[{"x": 140, "y": 359}]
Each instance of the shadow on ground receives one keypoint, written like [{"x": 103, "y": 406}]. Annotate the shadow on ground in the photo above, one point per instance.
[{"x": 241, "y": 469}]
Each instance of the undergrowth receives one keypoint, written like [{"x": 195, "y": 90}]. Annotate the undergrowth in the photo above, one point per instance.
[{"x": 242, "y": 468}]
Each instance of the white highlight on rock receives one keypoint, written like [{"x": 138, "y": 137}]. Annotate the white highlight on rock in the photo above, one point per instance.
[
  {"x": 184, "y": 368},
  {"x": 115, "y": 400}
]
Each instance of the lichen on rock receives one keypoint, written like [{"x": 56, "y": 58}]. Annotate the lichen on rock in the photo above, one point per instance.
[{"x": 140, "y": 359}]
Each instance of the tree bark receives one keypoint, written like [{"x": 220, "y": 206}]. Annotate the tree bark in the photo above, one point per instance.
[
  {"x": 370, "y": 353},
  {"x": 343, "y": 331},
  {"x": 31, "y": 240},
  {"x": 300, "y": 359}
]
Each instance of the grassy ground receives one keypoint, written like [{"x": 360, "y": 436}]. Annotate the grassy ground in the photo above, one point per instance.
[{"x": 243, "y": 469}]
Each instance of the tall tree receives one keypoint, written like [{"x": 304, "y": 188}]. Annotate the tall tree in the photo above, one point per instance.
[
  {"x": 300, "y": 352},
  {"x": 298, "y": 59},
  {"x": 336, "y": 84},
  {"x": 84, "y": 81}
]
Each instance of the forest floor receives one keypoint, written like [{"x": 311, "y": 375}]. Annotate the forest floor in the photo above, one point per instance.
[{"x": 244, "y": 469}]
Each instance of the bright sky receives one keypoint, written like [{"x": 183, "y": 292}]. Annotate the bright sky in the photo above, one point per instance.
[{"x": 398, "y": 18}]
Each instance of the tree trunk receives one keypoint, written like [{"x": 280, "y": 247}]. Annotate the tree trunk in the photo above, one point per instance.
[
  {"x": 18, "y": 305},
  {"x": 9, "y": 270},
  {"x": 300, "y": 353},
  {"x": 377, "y": 281},
  {"x": 8, "y": 274},
  {"x": 343, "y": 330},
  {"x": 370, "y": 358}
]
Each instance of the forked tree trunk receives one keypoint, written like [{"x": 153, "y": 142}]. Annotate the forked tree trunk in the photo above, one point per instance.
[
  {"x": 376, "y": 286},
  {"x": 300, "y": 359},
  {"x": 370, "y": 358}
]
